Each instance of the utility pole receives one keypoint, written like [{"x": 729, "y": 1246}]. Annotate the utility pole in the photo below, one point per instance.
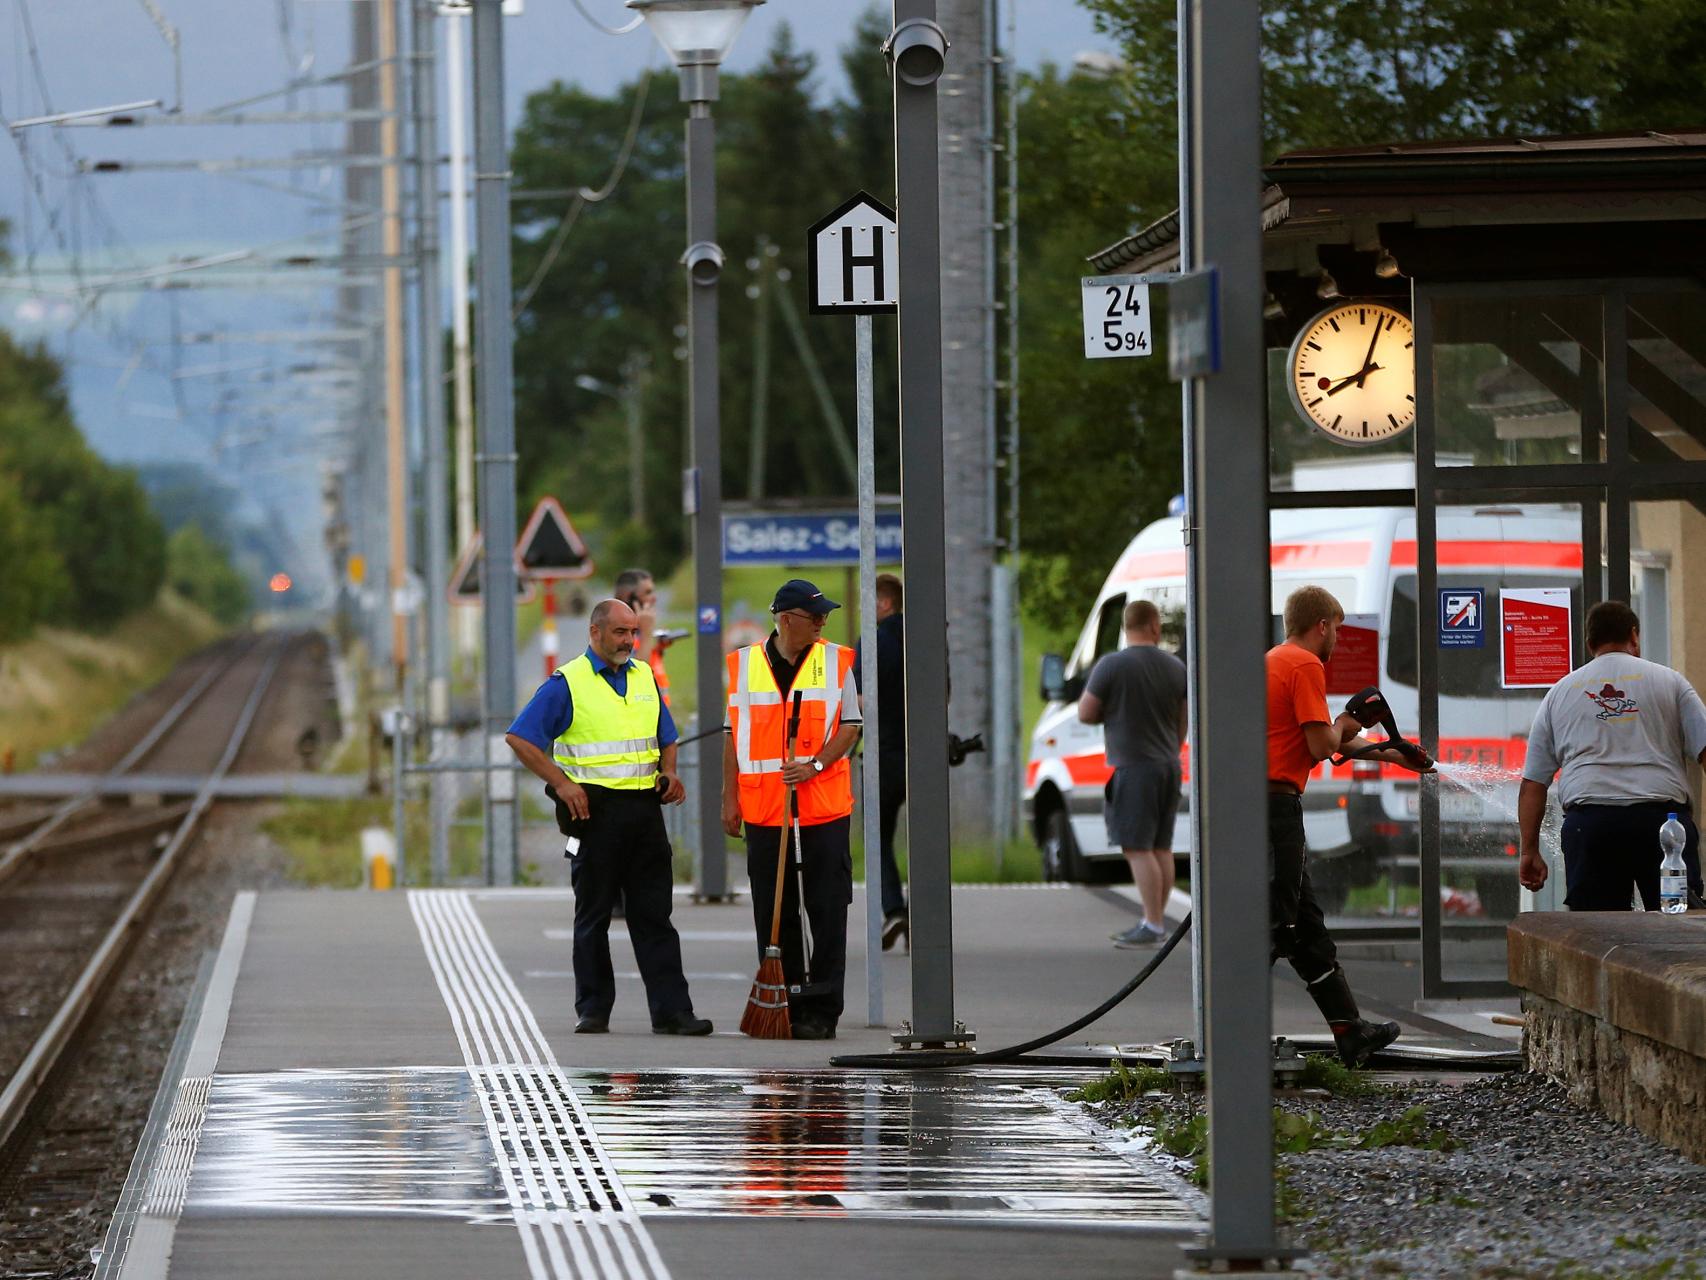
[
  {"x": 435, "y": 561},
  {"x": 391, "y": 246},
  {"x": 497, "y": 432},
  {"x": 1227, "y": 509},
  {"x": 462, "y": 363},
  {"x": 967, "y": 142}
]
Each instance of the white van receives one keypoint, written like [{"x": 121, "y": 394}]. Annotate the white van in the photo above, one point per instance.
[{"x": 1359, "y": 817}]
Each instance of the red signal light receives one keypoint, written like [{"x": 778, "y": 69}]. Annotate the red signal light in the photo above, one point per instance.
[{"x": 280, "y": 583}]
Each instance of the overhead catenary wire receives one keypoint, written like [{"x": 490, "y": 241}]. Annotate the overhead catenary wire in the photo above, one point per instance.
[
  {"x": 588, "y": 195},
  {"x": 633, "y": 24}
]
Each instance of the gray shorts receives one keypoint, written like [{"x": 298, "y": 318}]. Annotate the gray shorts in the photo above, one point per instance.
[{"x": 1140, "y": 804}]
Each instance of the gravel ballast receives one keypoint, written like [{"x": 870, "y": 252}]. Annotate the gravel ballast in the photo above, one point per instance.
[{"x": 1533, "y": 1186}]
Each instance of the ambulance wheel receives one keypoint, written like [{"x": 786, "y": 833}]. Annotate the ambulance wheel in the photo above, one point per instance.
[{"x": 1061, "y": 860}]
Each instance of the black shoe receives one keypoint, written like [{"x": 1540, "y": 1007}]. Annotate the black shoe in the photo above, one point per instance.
[
  {"x": 814, "y": 1031},
  {"x": 896, "y": 927},
  {"x": 684, "y": 1023},
  {"x": 592, "y": 1024},
  {"x": 1359, "y": 1040}
]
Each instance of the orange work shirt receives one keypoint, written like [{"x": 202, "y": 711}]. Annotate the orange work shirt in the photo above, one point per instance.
[{"x": 1297, "y": 695}]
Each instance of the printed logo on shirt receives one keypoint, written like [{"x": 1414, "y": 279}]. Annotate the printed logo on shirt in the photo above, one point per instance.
[{"x": 1613, "y": 703}]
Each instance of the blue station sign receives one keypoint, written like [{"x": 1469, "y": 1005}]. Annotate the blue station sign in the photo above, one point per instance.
[{"x": 805, "y": 538}]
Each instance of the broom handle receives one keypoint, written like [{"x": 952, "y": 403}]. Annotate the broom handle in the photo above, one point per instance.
[{"x": 782, "y": 844}]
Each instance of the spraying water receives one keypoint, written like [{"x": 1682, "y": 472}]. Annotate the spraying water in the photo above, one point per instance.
[{"x": 1494, "y": 787}]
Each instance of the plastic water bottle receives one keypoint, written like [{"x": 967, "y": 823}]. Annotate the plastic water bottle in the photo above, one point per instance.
[{"x": 1673, "y": 875}]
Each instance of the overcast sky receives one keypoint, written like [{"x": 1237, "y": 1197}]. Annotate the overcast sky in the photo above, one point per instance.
[{"x": 61, "y": 55}]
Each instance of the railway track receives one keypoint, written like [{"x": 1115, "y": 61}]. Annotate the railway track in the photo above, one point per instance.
[{"x": 77, "y": 883}]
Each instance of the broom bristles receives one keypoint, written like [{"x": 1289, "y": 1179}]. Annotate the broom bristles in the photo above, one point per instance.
[{"x": 766, "y": 1016}]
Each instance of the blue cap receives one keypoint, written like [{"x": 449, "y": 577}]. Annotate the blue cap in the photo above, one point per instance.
[{"x": 797, "y": 593}]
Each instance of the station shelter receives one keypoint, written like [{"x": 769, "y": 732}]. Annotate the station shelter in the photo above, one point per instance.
[{"x": 1549, "y": 452}]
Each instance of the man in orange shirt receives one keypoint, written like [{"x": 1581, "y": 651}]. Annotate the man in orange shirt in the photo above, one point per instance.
[{"x": 1302, "y": 732}]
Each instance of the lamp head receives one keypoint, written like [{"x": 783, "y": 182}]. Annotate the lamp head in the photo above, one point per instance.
[
  {"x": 704, "y": 262},
  {"x": 918, "y": 50},
  {"x": 695, "y": 32}
]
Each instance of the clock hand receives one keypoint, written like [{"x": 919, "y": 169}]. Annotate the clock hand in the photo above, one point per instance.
[
  {"x": 1368, "y": 365},
  {"x": 1357, "y": 378}
]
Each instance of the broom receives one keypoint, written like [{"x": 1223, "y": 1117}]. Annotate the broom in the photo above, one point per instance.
[{"x": 766, "y": 1016}]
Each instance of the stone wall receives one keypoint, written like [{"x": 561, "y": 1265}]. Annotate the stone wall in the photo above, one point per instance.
[{"x": 1655, "y": 1087}]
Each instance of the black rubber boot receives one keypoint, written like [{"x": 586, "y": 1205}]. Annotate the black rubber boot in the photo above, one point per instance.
[{"x": 1355, "y": 1036}]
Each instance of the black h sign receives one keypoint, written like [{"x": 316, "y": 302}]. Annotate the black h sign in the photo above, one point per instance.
[
  {"x": 850, "y": 260},
  {"x": 853, "y": 258}
]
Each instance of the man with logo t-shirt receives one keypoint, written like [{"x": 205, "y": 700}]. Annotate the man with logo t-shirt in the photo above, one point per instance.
[
  {"x": 1301, "y": 734},
  {"x": 1619, "y": 732}
]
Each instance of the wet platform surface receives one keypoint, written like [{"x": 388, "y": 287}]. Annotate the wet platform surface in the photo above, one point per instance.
[{"x": 389, "y": 1084}]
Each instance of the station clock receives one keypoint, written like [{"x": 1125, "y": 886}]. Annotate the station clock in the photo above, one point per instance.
[{"x": 1352, "y": 373}]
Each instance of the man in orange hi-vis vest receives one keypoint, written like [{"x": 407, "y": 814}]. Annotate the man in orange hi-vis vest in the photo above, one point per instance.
[{"x": 763, "y": 680}]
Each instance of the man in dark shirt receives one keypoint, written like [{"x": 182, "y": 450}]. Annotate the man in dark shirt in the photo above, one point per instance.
[
  {"x": 1138, "y": 695},
  {"x": 891, "y": 744}
]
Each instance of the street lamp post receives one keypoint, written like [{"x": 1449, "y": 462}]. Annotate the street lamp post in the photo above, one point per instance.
[{"x": 697, "y": 35}]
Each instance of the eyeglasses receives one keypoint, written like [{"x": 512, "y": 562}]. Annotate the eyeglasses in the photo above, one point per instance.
[{"x": 811, "y": 619}]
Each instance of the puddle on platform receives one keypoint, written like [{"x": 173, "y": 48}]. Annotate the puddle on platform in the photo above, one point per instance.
[
  {"x": 835, "y": 1144},
  {"x": 373, "y": 1143},
  {"x": 819, "y": 1144}
]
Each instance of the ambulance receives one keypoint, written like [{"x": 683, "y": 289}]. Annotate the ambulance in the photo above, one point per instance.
[{"x": 1360, "y": 817}]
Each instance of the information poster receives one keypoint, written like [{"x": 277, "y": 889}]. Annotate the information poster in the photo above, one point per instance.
[
  {"x": 1355, "y": 663},
  {"x": 1534, "y": 634}
]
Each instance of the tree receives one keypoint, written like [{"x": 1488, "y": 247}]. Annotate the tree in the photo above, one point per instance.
[
  {"x": 615, "y": 291},
  {"x": 199, "y": 570}
]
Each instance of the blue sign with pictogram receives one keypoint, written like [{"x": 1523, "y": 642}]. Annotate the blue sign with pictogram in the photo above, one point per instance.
[
  {"x": 1462, "y": 618},
  {"x": 710, "y": 620}
]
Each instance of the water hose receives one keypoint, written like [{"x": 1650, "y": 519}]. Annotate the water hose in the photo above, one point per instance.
[{"x": 911, "y": 1061}]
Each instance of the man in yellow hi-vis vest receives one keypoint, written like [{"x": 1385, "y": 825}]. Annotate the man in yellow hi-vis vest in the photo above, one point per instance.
[
  {"x": 763, "y": 680},
  {"x": 603, "y": 742}
]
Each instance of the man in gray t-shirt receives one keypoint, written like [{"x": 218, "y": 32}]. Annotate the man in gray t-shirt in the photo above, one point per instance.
[
  {"x": 1137, "y": 695},
  {"x": 1620, "y": 733}
]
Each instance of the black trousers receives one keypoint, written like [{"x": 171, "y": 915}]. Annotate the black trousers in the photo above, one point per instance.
[
  {"x": 891, "y": 787},
  {"x": 1299, "y": 930},
  {"x": 625, "y": 851},
  {"x": 1610, "y": 849},
  {"x": 828, "y": 865}
]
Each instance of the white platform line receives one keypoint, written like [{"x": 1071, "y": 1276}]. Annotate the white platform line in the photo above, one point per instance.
[{"x": 555, "y": 1171}]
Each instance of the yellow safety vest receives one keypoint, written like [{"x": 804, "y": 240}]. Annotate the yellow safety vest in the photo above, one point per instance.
[{"x": 612, "y": 741}]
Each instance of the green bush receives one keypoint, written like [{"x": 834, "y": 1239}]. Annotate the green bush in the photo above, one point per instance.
[{"x": 199, "y": 570}]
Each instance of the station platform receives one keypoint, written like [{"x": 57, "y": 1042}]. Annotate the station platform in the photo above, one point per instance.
[{"x": 389, "y": 1085}]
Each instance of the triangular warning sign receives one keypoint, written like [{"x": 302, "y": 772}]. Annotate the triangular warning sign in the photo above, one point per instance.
[
  {"x": 549, "y": 547},
  {"x": 465, "y": 577}
]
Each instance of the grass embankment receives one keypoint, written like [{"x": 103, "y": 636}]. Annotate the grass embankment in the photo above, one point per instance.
[{"x": 58, "y": 686}]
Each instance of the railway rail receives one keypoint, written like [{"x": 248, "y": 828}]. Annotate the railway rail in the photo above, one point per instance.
[{"x": 123, "y": 862}]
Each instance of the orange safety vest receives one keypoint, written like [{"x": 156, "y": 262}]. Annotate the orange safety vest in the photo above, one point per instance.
[
  {"x": 758, "y": 719},
  {"x": 660, "y": 677}
]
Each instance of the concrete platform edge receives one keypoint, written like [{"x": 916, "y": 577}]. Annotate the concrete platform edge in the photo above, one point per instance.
[{"x": 138, "y": 1243}]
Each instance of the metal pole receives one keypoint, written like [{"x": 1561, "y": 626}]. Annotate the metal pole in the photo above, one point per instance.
[
  {"x": 870, "y": 774},
  {"x": 923, "y": 521},
  {"x": 391, "y": 246},
  {"x": 699, "y": 91},
  {"x": 497, "y": 431},
  {"x": 632, "y": 404},
  {"x": 441, "y": 792},
  {"x": 1187, "y": 423},
  {"x": 1229, "y": 505},
  {"x": 462, "y": 363}
]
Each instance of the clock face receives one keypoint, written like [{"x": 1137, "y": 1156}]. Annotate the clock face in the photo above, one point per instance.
[{"x": 1352, "y": 372}]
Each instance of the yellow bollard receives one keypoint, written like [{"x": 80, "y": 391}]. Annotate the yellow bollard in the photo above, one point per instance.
[{"x": 378, "y": 858}]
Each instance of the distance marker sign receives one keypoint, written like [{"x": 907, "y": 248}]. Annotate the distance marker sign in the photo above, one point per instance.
[{"x": 1117, "y": 320}]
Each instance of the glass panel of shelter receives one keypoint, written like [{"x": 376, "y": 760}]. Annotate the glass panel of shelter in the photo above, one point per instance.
[{"x": 1666, "y": 355}]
